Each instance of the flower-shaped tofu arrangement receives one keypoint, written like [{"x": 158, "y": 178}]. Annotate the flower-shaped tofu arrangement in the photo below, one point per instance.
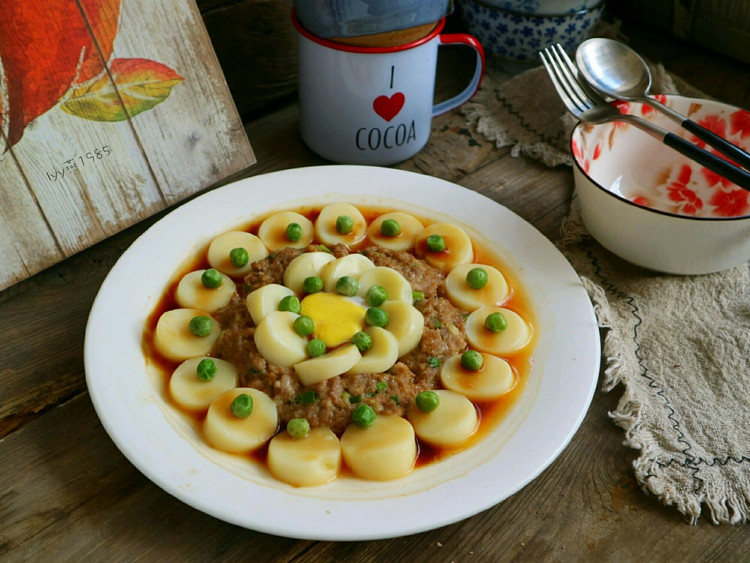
[
  {"x": 353, "y": 317},
  {"x": 338, "y": 336}
]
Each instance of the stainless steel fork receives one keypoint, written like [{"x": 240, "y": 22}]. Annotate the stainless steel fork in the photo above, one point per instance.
[{"x": 588, "y": 106}]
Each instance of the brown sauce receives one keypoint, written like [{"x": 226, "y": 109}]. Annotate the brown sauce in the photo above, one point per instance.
[{"x": 490, "y": 413}]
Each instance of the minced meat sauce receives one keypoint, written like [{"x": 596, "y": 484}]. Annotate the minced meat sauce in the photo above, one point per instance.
[{"x": 331, "y": 402}]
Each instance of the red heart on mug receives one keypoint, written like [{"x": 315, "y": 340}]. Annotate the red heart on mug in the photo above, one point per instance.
[{"x": 388, "y": 108}]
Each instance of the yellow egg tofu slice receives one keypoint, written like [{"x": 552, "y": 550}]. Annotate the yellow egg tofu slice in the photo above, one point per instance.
[
  {"x": 454, "y": 421},
  {"x": 384, "y": 451},
  {"x": 493, "y": 380},
  {"x": 191, "y": 292},
  {"x": 514, "y": 338},
  {"x": 229, "y": 433},
  {"x": 325, "y": 225},
  {"x": 192, "y": 393},
  {"x": 173, "y": 339},
  {"x": 303, "y": 266},
  {"x": 396, "y": 286},
  {"x": 264, "y": 300},
  {"x": 406, "y": 323},
  {"x": 381, "y": 356},
  {"x": 278, "y": 342},
  {"x": 409, "y": 225},
  {"x": 465, "y": 297},
  {"x": 222, "y": 245},
  {"x": 458, "y": 246},
  {"x": 353, "y": 265},
  {"x": 305, "y": 462},
  {"x": 272, "y": 231},
  {"x": 320, "y": 368}
]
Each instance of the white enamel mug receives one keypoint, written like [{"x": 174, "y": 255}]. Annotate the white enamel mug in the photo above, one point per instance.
[{"x": 373, "y": 105}]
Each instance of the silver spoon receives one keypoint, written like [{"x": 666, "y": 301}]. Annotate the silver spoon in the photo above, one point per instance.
[{"x": 617, "y": 71}]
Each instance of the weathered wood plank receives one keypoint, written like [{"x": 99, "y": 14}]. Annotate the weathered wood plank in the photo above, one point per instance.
[
  {"x": 69, "y": 494},
  {"x": 90, "y": 178},
  {"x": 77, "y": 200},
  {"x": 195, "y": 137},
  {"x": 26, "y": 242},
  {"x": 538, "y": 194},
  {"x": 59, "y": 501}
]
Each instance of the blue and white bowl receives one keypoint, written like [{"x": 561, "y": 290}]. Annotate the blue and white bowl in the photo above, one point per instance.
[
  {"x": 544, "y": 7},
  {"x": 516, "y": 38}
]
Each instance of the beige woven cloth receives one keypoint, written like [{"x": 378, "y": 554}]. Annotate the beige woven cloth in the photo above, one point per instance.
[{"x": 679, "y": 346}]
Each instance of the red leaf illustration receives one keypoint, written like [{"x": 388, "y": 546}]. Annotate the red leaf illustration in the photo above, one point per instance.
[
  {"x": 139, "y": 85},
  {"x": 45, "y": 46}
]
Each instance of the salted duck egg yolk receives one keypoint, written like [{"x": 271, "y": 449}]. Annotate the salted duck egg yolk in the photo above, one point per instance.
[{"x": 337, "y": 318}]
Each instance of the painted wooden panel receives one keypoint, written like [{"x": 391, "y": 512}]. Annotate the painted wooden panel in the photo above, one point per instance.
[
  {"x": 196, "y": 123},
  {"x": 110, "y": 112},
  {"x": 26, "y": 242}
]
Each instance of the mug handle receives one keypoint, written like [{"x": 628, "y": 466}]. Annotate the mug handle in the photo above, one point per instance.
[{"x": 453, "y": 39}]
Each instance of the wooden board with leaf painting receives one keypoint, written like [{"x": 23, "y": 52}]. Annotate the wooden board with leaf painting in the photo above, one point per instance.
[{"x": 110, "y": 110}]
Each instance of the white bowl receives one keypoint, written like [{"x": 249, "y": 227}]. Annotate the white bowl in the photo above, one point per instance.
[{"x": 654, "y": 207}]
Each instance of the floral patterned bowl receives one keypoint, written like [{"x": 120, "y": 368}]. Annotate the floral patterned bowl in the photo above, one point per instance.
[
  {"x": 544, "y": 7},
  {"x": 516, "y": 37},
  {"x": 654, "y": 207}
]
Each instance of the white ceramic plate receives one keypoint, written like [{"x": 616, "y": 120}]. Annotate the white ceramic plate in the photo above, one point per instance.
[{"x": 161, "y": 444}]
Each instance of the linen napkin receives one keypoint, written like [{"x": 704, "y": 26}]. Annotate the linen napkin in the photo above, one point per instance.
[{"x": 679, "y": 346}]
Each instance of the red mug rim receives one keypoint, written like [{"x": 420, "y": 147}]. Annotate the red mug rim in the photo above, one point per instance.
[{"x": 359, "y": 49}]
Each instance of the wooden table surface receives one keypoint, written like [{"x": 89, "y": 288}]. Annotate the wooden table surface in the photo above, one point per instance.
[{"x": 67, "y": 493}]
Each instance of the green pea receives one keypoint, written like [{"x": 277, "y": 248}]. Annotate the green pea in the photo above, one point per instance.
[
  {"x": 294, "y": 232},
  {"x": 290, "y": 303},
  {"x": 472, "y": 360},
  {"x": 376, "y": 296},
  {"x": 363, "y": 416},
  {"x": 347, "y": 285},
  {"x": 435, "y": 243},
  {"x": 362, "y": 341},
  {"x": 477, "y": 278},
  {"x": 312, "y": 284},
  {"x": 239, "y": 257},
  {"x": 242, "y": 406},
  {"x": 303, "y": 325},
  {"x": 427, "y": 401},
  {"x": 201, "y": 325},
  {"x": 390, "y": 228},
  {"x": 375, "y": 316},
  {"x": 211, "y": 278},
  {"x": 298, "y": 428},
  {"x": 344, "y": 224},
  {"x": 316, "y": 347},
  {"x": 495, "y": 322},
  {"x": 206, "y": 369}
]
